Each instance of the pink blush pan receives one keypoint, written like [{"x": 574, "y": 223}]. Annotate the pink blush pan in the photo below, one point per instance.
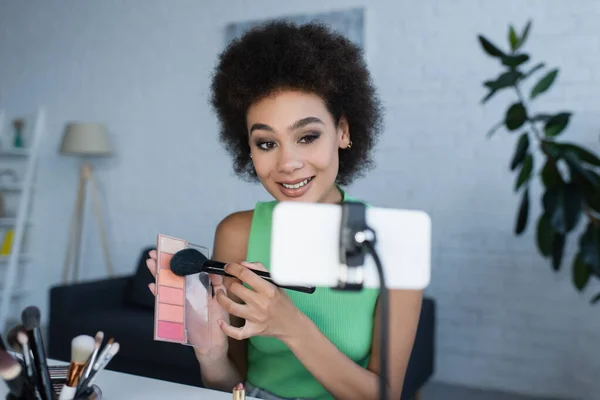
[
  {"x": 171, "y": 331},
  {"x": 169, "y": 315},
  {"x": 170, "y": 295},
  {"x": 165, "y": 260}
]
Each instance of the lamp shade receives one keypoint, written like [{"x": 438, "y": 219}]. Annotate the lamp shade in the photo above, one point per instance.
[{"x": 82, "y": 138}]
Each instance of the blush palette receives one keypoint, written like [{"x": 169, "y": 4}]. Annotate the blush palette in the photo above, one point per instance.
[{"x": 181, "y": 304}]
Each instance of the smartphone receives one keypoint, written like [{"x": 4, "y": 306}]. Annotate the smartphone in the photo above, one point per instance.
[{"x": 305, "y": 246}]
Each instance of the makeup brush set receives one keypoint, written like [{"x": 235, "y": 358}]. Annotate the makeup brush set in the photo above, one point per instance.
[{"x": 28, "y": 376}]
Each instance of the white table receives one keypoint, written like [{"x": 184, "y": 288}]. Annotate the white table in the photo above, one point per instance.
[{"x": 118, "y": 386}]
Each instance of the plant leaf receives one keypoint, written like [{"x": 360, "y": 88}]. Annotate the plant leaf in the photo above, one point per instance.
[
  {"x": 572, "y": 202},
  {"x": 581, "y": 273},
  {"x": 540, "y": 117},
  {"x": 553, "y": 202},
  {"x": 595, "y": 299},
  {"x": 520, "y": 151},
  {"x": 512, "y": 38},
  {"x": 550, "y": 148},
  {"x": 523, "y": 213},
  {"x": 514, "y": 61},
  {"x": 533, "y": 70},
  {"x": 582, "y": 153},
  {"x": 550, "y": 201},
  {"x": 589, "y": 244},
  {"x": 505, "y": 80},
  {"x": 488, "y": 96},
  {"x": 550, "y": 174},
  {"x": 562, "y": 204},
  {"x": 544, "y": 235},
  {"x": 558, "y": 246},
  {"x": 525, "y": 173},
  {"x": 591, "y": 193},
  {"x": 516, "y": 115},
  {"x": 544, "y": 84},
  {"x": 489, "y": 47},
  {"x": 578, "y": 173},
  {"x": 495, "y": 128},
  {"x": 557, "y": 123},
  {"x": 525, "y": 33}
]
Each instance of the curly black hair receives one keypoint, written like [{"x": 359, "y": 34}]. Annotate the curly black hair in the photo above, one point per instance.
[{"x": 311, "y": 58}]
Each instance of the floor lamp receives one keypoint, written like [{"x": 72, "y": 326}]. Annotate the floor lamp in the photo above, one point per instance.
[{"x": 85, "y": 140}]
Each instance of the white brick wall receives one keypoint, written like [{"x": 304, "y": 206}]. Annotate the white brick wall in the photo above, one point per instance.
[{"x": 504, "y": 320}]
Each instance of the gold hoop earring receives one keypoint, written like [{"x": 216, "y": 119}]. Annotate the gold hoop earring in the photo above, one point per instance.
[{"x": 349, "y": 145}]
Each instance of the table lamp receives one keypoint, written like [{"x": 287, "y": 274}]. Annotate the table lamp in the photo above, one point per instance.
[{"x": 85, "y": 140}]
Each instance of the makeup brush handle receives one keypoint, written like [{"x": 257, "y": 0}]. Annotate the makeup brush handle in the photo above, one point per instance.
[{"x": 215, "y": 267}]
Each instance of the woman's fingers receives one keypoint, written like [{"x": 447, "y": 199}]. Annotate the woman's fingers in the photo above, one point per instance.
[
  {"x": 151, "y": 264},
  {"x": 152, "y": 287},
  {"x": 241, "y": 294},
  {"x": 217, "y": 280},
  {"x": 239, "y": 333},
  {"x": 254, "y": 265},
  {"x": 246, "y": 275},
  {"x": 234, "y": 308}
]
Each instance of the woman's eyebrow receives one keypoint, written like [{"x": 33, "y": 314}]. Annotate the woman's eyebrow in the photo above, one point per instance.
[{"x": 296, "y": 125}]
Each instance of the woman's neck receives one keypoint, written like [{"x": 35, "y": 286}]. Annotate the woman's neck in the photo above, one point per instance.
[{"x": 335, "y": 196}]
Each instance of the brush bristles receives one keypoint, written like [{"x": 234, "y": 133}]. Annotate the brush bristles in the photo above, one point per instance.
[
  {"x": 114, "y": 349},
  {"x": 187, "y": 261},
  {"x": 9, "y": 367},
  {"x": 31, "y": 317},
  {"x": 22, "y": 339},
  {"x": 81, "y": 348},
  {"x": 11, "y": 337}
]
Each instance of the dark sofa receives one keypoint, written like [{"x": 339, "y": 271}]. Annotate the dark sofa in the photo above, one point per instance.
[{"x": 123, "y": 308}]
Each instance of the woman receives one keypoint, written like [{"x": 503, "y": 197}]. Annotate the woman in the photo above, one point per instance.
[{"x": 298, "y": 113}]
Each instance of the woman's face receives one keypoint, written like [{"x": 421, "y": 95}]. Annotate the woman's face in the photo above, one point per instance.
[{"x": 294, "y": 145}]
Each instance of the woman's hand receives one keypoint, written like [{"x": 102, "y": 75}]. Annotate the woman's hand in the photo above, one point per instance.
[
  {"x": 268, "y": 310},
  {"x": 196, "y": 324}
]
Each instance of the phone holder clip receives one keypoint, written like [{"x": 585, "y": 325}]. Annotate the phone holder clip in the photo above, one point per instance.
[{"x": 354, "y": 232}]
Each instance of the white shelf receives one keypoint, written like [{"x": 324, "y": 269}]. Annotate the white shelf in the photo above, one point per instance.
[
  {"x": 20, "y": 220},
  {"x": 11, "y": 187},
  {"x": 16, "y": 152}
]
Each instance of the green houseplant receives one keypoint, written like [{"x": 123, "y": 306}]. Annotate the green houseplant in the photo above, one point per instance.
[{"x": 569, "y": 173}]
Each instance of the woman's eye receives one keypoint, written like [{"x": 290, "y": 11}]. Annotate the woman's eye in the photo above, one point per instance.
[
  {"x": 309, "y": 138},
  {"x": 266, "y": 145}
]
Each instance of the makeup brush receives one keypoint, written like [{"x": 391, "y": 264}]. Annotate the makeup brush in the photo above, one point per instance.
[
  {"x": 190, "y": 261},
  {"x": 82, "y": 347},
  {"x": 92, "y": 359},
  {"x": 105, "y": 350},
  {"x": 10, "y": 371},
  {"x": 23, "y": 341},
  {"x": 99, "y": 359},
  {"x": 3, "y": 344},
  {"x": 31, "y": 321},
  {"x": 98, "y": 366},
  {"x": 11, "y": 337}
]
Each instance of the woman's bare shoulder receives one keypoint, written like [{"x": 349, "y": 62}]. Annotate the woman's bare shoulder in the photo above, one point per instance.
[{"x": 231, "y": 236}]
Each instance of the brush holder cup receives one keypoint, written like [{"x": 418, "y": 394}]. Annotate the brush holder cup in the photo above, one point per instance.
[{"x": 58, "y": 376}]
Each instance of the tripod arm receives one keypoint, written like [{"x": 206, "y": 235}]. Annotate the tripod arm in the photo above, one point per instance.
[{"x": 356, "y": 240}]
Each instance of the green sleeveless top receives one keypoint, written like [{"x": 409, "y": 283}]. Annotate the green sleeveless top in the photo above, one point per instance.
[{"x": 345, "y": 318}]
